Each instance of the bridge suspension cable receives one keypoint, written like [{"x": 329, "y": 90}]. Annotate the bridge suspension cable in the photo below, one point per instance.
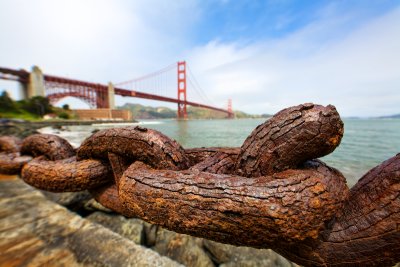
[{"x": 196, "y": 86}]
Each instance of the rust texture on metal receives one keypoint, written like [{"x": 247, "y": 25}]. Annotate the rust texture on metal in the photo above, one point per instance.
[
  {"x": 292, "y": 205},
  {"x": 11, "y": 162},
  {"x": 292, "y": 136},
  {"x": 272, "y": 192},
  {"x": 135, "y": 144},
  {"x": 10, "y": 144},
  {"x": 51, "y": 146},
  {"x": 69, "y": 175}
]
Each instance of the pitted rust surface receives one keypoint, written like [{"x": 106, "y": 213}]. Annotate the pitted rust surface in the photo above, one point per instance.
[
  {"x": 199, "y": 154},
  {"x": 51, "y": 146},
  {"x": 290, "y": 205},
  {"x": 135, "y": 143},
  {"x": 108, "y": 196},
  {"x": 12, "y": 163},
  {"x": 221, "y": 162},
  {"x": 10, "y": 144},
  {"x": 366, "y": 232},
  {"x": 68, "y": 175},
  {"x": 270, "y": 193},
  {"x": 289, "y": 138}
]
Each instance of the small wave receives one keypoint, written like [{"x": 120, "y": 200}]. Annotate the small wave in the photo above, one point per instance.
[
  {"x": 126, "y": 124},
  {"x": 72, "y": 137}
]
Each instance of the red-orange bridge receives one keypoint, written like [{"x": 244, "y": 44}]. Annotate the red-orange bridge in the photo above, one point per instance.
[{"x": 155, "y": 86}]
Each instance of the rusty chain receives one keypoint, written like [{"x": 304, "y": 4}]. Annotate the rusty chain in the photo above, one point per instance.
[{"x": 269, "y": 193}]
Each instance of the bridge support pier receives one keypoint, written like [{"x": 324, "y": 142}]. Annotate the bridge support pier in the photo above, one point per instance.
[
  {"x": 111, "y": 96},
  {"x": 36, "y": 83}
]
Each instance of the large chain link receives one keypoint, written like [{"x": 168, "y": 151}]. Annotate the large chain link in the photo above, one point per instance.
[{"x": 269, "y": 193}]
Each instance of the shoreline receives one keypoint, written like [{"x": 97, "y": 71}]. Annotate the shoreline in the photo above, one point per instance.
[{"x": 23, "y": 129}]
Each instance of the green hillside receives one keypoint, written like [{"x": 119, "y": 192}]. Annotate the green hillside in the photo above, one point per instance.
[
  {"x": 32, "y": 109},
  {"x": 147, "y": 112}
]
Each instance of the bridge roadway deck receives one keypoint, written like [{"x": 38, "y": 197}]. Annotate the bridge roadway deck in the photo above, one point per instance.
[{"x": 37, "y": 232}]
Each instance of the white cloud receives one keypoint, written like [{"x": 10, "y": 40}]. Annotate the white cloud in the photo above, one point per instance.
[
  {"x": 94, "y": 40},
  {"x": 358, "y": 72}
]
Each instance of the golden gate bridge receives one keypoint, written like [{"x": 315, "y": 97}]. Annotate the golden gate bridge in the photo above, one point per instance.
[{"x": 174, "y": 83}]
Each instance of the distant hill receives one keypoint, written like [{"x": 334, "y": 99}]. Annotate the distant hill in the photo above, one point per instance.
[
  {"x": 395, "y": 116},
  {"x": 147, "y": 112}
]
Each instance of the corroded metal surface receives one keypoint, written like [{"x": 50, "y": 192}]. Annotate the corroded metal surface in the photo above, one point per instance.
[
  {"x": 135, "y": 143},
  {"x": 366, "y": 232},
  {"x": 270, "y": 193},
  {"x": 11, "y": 161},
  {"x": 9, "y": 144},
  {"x": 291, "y": 205},
  {"x": 68, "y": 175},
  {"x": 289, "y": 138},
  {"x": 51, "y": 146}
]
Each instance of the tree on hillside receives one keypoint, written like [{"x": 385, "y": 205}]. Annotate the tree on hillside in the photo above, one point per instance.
[
  {"x": 38, "y": 105},
  {"x": 6, "y": 103}
]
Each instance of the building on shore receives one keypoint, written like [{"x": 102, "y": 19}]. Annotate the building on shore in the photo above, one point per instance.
[{"x": 103, "y": 114}]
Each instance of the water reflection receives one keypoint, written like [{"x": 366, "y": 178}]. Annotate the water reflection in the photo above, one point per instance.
[{"x": 182, "y": 134}]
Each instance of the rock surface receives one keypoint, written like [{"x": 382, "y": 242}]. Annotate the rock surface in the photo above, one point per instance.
[
  {"x": 131, "y": 229},
  {"x": 36, "y": 232},
  {"x": 182, "y": 248},
  {"x": 229, "y": 256},
  {"x": 68, "y": 199}
]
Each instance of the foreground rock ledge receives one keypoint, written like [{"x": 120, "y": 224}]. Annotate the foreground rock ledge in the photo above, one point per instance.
[{"x": 35, "y": 231}]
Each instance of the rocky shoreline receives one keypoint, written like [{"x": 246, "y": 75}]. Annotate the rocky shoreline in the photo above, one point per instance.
[
  {"x": 37, "y": 232},
  {"x": 184, "y": 249},
  {"x": 23, "y": 129}
]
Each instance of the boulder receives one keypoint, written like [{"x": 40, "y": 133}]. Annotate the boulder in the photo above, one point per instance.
[
  {"x": 72, "y": 200},
  {"x": 131, "y": 229},
  {"x": 230, "y": 256},
  {"x": 37, "y": 232},
  {"x": 184, "y": 249},
  {"x": 93, "y": 205}
]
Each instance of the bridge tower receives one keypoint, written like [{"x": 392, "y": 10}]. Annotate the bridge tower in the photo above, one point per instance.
[
  {"x": 182, "y": 111},
  {"x": 230, "y": 110}
]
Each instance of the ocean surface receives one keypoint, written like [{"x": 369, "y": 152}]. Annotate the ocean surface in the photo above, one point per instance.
[{"x": 366, "y": 142}]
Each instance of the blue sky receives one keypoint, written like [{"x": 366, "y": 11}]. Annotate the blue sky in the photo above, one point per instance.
[
  {"x": 252, "y": 21},
  {"x": 265, "y": 55}
]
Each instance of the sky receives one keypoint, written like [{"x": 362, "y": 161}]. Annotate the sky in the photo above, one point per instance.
[{"x": 264, "y": 55}]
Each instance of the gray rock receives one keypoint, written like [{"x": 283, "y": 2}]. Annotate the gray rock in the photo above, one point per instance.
[
  {"x": 150, "y": 234},
  {"x": 131, "y": 229},
  {"x": 69, "y": 199},
  {"x": 229, "y": 256},
  {"x": 182, "y": 248},
  {"x": 37, "y": 232},
  {"x": 93, "y": 205}
]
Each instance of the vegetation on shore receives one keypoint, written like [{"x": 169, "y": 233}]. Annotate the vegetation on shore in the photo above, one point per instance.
[
  {"x": 147, "y": 112},
  {"x": 32, "y": 109}
]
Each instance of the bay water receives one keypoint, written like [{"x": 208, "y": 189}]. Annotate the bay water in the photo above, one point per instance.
[{"x": 366, "y": 142}]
